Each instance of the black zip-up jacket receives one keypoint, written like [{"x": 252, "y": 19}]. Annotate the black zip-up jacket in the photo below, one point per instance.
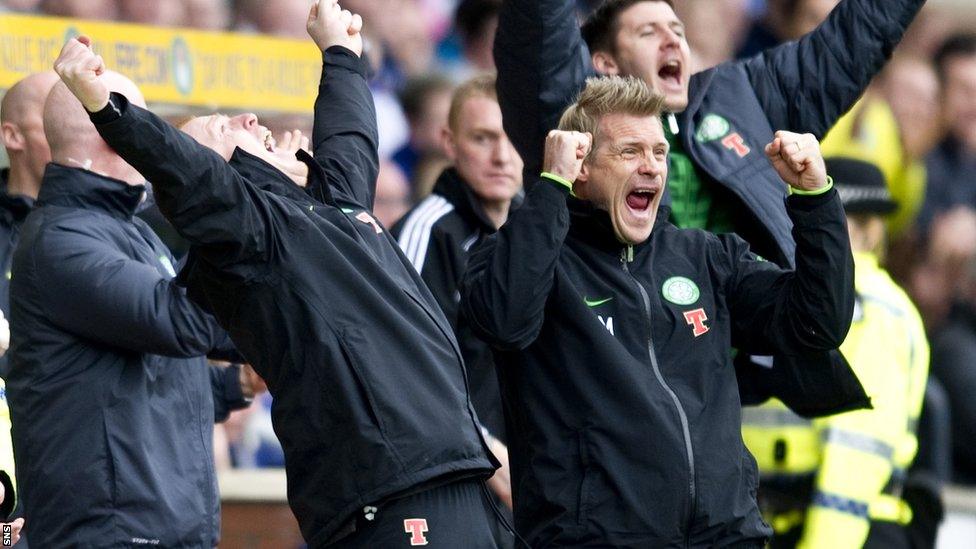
[
  {"x": 437, "y": 236},
  {"x": 802, "y": 86},
  {"x": 111, "y": 400},
  {"x": 368, "y": 382},
  {"x": 620, "y": 395}
]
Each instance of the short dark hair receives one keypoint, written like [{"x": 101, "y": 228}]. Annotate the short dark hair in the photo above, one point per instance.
[
  {"x": 600, "y": 28},
  {"x": 957, "y": 45},
  {"x": 413, "y": 97}
]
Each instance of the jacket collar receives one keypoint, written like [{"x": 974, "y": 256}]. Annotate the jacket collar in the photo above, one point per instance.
[
  {"x": 78, "y": 188},
  {"x": 465, "y": 202},
  {"x": 13, "y": 208},
  {"x": 265, "y": 176},
  {"x": 593, "y": 226}
]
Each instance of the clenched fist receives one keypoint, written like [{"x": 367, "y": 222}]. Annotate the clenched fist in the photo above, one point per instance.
[
  {"x": 81, "y": 69},
  {"x": 330, "y": 25},
  {"x": 565, "y": 152},
  {"x": 798, "y": 160}
]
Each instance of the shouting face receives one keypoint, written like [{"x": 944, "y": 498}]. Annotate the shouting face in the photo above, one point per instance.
[
  {"x": 651, "y": 45},
  {"x": 224, "y": 133},
  {"x": 625, "y": 173}
]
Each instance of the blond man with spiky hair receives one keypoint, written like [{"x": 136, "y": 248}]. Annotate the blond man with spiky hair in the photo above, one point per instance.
[{"x": 614, "y": 332}]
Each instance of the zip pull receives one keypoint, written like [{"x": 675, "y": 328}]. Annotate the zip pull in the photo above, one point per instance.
[
  {"x": 627, "y": 254},
  {"x": 673, "y": 123}
]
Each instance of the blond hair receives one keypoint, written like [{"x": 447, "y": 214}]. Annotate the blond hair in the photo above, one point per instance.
[
  {"x": 608, "y": 95},
  {"x": 478, "y": 86}
]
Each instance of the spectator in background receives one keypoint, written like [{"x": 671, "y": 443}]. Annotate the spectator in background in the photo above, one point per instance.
[
  {"x": 475, "y": 22},
  {"x": 911, "y": 88},
  {"x": 160, "y": 13},
  {"x": 82, "y": 9},
  {"x": 283, "y": 18},
  {"x": 102, "y": 334},
  {"x": 22, "y": 131},
  {"x": 784, "y": 20},
  {"x": 713, "y": 28},
  {"x": 954, "y": 362},
  {"x": 392, "y": 194},
  {"x": 952, "y": 165},
  {"x": 426, "y": 101}
]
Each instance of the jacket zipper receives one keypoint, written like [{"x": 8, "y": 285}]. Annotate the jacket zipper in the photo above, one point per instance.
[{"x": 626, "y": 256}]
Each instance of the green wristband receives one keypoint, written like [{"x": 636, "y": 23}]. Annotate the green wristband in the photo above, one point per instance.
[
  {"x": 815, "y": 192},
  {"x": 561, "y": 180}
]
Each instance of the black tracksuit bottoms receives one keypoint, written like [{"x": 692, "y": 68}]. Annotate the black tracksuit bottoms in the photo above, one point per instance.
[{"x": 452, "y": 516}]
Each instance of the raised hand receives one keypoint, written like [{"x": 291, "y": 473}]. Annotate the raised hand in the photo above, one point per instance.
[
  {"x": 798, "y": 160},
  {"x": 565, "y": 152},
  {"x": 80, "y": 69},
  {"x": 330, "y": 25}
]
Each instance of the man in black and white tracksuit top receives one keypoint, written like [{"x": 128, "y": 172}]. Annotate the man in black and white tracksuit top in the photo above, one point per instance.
[{"x": 614, "y": 331}]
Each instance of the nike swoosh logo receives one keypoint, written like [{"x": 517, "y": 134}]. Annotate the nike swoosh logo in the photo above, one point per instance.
[{"x": 596, "y": 302}]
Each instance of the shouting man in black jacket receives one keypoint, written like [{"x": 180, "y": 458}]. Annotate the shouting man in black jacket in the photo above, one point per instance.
[
  {"x": 615, "y": 329},
  {"x": 382, "y": 445}
]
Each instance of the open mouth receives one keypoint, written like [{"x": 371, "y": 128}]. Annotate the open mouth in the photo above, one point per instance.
[
  {"x": 671, "y": 72},
  {"x": 269, "y": 142},
  {"x": 640, "y": 199}
]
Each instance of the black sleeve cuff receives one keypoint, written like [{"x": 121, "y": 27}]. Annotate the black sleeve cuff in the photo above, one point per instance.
[
  {"x": 117, "y": 103},
  {"x": 341, "y": 56},
  {"x": 233, "y": 392},
  {"x": 807, "y": 203}
]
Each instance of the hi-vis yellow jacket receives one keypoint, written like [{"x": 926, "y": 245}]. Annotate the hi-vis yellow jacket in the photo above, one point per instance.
[{"x": 857, "y": 459}]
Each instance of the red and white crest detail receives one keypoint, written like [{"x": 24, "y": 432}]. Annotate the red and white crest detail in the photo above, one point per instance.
[
  {"x": 697, "y": 318},
  {"x": 417, "y": 528},
  {"x": 734, "y": 142},
  {"x": 368, "y": 219}
]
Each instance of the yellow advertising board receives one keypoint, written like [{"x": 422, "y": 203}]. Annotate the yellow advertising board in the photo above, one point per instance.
[{"x": 178, "y": 66}]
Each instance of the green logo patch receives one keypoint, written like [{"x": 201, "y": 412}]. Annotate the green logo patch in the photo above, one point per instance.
[
  {"x": 712, "y": 127},
  {"x": 680, "y": 290}
]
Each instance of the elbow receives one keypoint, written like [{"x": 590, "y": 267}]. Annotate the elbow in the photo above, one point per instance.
[{"x": 506, "y": 332}]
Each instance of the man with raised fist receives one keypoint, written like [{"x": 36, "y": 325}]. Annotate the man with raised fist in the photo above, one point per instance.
[
  {"x": 382, "y": 445},
  {"x": 615, "y": 330}
]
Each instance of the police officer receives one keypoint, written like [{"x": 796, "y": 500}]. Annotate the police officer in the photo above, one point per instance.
[{"x": 836, "y": 482}]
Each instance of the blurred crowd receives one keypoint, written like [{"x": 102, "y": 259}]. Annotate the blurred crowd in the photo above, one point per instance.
[{"x": 917, "y": 123}]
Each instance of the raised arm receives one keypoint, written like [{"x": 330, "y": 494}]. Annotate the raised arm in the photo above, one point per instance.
[
  {"x": 200, "y": 194},
  {"x": 344, "y": 138},
  {"x": 808, "y": 309},
  {"x": 805, "y": 86},
  {"x": 542, "y": 65},
  {"x": 510, "y": 275}
]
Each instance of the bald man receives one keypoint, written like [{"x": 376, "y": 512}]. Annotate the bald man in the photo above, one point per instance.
[
  {"x": 111, "y": 400},
  {"x": 22, "y": 131}
]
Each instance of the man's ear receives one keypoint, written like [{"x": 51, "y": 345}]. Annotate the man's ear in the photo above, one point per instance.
[
  {"x": 604, "y": 63},
  {"x": 13, "y": 140},
  {"x": 448, "y": 144}
]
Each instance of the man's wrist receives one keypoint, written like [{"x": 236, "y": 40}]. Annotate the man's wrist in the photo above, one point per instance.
[
  {"x": 112, "y": 110},
  {"x": 814, "y": 192},
  {"x": 558, "y": 179}
]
